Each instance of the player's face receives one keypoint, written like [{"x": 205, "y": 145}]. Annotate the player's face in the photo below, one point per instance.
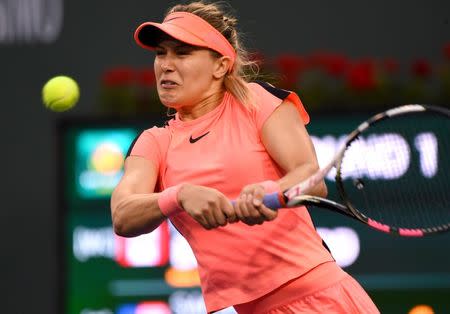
[{"x": 184, "y": 73}]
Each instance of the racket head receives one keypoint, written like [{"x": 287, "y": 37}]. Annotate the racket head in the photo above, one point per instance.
[{"x": 404, "y": 146}]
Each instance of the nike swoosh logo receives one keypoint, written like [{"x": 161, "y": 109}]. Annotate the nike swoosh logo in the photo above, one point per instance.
[
  {"x": 174, "y": 18},
  {"x": 193, "y": 140}
]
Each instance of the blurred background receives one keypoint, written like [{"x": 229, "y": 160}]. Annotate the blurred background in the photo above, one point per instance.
[{"x": 59, "y": 252}]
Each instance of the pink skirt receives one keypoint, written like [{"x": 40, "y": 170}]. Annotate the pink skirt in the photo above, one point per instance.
[{"x": 344, "y": 296}]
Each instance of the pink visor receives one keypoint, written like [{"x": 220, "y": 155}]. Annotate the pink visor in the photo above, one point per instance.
[{"x": 188, "y": 28}]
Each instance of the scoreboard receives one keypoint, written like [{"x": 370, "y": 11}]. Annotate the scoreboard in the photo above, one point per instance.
[{"x": 102, "y": 273}]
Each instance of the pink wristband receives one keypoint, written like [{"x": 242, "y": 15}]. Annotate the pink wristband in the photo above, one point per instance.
[
  {"x": 168, "y": 201},
  {"x": 270, "y": 186}
]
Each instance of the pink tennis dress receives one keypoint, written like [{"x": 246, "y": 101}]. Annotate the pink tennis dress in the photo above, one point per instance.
[{"x": 223, "y": 150}]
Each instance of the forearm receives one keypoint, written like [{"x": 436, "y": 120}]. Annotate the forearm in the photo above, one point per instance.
[
  {"x": 136, "y": 214},
  {"x": 301, "y": 173}
]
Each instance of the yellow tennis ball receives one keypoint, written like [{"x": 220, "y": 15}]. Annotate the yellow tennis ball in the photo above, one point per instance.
[{"x": 60, "y": 93}]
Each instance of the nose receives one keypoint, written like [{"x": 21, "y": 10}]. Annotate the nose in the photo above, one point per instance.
[
  {"x": 166, "y": 67},
  {"x": 167, "y": 64}
]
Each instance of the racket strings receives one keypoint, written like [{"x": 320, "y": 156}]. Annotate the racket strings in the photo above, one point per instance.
[{"x": 397, "y": 171}]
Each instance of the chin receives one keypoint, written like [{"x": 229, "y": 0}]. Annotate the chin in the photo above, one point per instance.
[
  {"x": 169, "y": 103},
  {"x": 167, "y": 100}
]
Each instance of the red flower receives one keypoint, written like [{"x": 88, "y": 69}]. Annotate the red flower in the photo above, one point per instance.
[
  {"x": 146, "y": 77},
  {"x": 421, "y": 68},
  {"x": 337, "y": 65},
  {"x": 318, "y": 59},
  {"x": 290, "y": 67},
  {"x": 118, "y": 76},
  {"x": 447, "y": 51},
  {"x": 362, "y": 75},
  {"x": 390, "y": 65}
]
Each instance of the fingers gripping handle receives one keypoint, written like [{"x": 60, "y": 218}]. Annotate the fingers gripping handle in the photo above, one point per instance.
[{"x": 273, "y": 201}]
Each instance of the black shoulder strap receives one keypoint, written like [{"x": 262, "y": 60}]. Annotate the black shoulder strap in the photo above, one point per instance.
[{"x": 277, "y": 92}]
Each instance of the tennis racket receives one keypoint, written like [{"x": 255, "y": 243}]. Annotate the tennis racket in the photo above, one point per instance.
[{"x": 406, "y": 145}]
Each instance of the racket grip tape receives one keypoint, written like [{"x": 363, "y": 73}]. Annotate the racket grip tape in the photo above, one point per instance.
[{"x": 274, "y": 200}]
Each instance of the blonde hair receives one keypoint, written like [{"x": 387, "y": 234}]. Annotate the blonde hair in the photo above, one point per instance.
[{"x": 244, "y": 68}]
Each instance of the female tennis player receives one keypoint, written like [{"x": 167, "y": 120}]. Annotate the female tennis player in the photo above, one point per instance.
[{"x": 229, "y": 140}]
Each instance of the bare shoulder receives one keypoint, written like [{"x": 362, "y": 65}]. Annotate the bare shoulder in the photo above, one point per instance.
[{"x": 286, "y": 139}]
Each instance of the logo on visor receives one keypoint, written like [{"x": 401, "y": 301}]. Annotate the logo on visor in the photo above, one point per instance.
[
  {"x": 174, "y": 18},
  {"x": 193, "y": 140}
]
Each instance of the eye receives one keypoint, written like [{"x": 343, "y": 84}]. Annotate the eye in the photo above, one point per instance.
[
  {"x": 184, "y": 51},
  {"x": 160, "y": 52}
]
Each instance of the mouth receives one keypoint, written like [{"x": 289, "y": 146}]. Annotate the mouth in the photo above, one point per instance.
[{"x": 168, "y": 84}]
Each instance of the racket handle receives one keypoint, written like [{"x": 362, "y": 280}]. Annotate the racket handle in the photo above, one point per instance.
[{"x": 273, "y": 201}]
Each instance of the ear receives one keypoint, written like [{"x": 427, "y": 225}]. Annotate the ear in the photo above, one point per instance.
[{"x": 221, "y": 67}]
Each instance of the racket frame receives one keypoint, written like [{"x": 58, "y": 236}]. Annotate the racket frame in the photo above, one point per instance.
[{"x": 297, "y": 194}]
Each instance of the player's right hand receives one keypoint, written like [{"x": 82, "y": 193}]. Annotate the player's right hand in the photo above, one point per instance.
[
  {"x": 250, "y": 208},
  {"x": 207, "y": 206}
]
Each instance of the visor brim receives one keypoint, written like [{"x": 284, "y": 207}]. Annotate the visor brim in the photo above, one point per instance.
[{"x": 148, "y": 35}]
